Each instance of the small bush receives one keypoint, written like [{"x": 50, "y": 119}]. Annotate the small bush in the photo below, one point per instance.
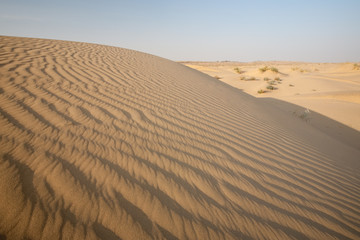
[
  {"x": 272, "y": 82},
  {"x": 270, "y": 87},
  {"x": 248, "y": 79},
  {"x": 266, "y": 79},
  {"x": 290, "y": 85},
  {"x": 261, "y": 91},
  {"x": 277, "y": 79},
  {"x": 238, "y": 70},
  {"x": 263, "y": 69},
  {"x": 305, "y": 115},
  {"x": 266, "y": 68},
  {"x": 274, "y": 69},
  {"x": 356, "y": 66}
]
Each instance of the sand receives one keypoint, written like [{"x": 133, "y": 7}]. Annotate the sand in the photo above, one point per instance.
[
  {"x": 330, "y": 90},
  {"x": 99, "y": 142}
]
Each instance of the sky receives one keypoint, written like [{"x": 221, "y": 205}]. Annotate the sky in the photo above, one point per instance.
[{"x": 197, "y": 30}]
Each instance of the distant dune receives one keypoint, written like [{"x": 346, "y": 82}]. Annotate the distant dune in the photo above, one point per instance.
[{"x": 100, "y": 142}]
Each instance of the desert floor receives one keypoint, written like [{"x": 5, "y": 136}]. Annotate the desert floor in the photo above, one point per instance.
[
  {"x": 311, "y": 91},
  {"x": 100, "y": 142}
]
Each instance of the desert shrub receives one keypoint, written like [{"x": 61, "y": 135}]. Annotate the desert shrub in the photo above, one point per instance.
[
  {"x": 356, "y": 66},
  {"x": 272, "y": 82},
  {"x": 270, "y": 87},
  {"x": 261, "y": 91},
  {"x": 266, "y": 68},
  {"x": 274, "y": 69},
  {"x": 237, "y": 70},
  {"x": 248, "y": 79},
  {"x": 266, "y": 79},
  {"x": 277, "y": 79},
  {"x": 290, "y": 85},
  {"x": 305, "y": 115},
  {"x": 263, "y": 69}
]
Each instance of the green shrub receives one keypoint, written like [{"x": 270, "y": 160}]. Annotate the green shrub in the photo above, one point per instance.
[
  {"x": 274, "y": 69},
  {"x": 272, "y": 82},
  {"x": 270, "y": 87},
  {"x": 261, "y": 91},
  {"x": 238, "y": 70},
  {"x": 263, "y": 69}
]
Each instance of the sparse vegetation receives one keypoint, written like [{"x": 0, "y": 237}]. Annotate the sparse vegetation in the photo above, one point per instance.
[
  {"x": 274, "y": 69},
  {"x": 270, "y": 87},
  {"x": 272, "y": 82},
  {"x": 305, "y": 115},
  {"x": 301, "y": 69},
  {"x": 356, "y": 66},
  {"x": 266, "y": 68},
  {"x": 248, "y": 79},
  {"x": 261, "y": 91},
  {"x": 266, "y": 79},
  {"x": 263, "y": 69},
  {"x": 238, "y": 70},
  {"x": 277, "y": 79},
  {"x": 290, "y": 85}
]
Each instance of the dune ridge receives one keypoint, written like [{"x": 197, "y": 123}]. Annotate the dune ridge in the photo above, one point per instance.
[{"x": 101, "y": 142}]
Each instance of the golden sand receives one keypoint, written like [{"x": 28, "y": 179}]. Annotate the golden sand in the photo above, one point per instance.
[{"x": 100, "y": 142}]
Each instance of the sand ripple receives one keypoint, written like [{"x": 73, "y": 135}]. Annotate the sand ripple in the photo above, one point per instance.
[{"x": 100, "y": 142}]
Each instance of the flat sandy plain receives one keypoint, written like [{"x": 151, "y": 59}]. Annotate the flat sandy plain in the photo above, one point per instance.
[{"x": 101, "y": 142}]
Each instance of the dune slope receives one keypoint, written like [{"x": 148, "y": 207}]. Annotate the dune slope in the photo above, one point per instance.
[{"x": 100, "y": 142}]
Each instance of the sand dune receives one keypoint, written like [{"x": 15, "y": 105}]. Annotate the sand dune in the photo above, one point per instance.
[{"x": 100, "y": 142}]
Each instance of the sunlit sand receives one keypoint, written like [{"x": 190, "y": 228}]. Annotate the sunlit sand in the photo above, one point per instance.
[{"x": 101, "y": 142}]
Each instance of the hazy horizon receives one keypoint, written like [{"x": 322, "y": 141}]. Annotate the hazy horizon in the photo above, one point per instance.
[{"x": 243, "y": 31}]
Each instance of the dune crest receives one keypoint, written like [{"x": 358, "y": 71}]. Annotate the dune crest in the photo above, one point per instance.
[{"x": 99, "y": 142}]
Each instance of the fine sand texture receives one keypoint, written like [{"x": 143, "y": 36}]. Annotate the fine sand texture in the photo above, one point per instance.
[{"x": 101, "y": 142}]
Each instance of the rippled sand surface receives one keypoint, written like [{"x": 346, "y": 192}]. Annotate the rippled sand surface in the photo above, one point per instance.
[{"x": 100, "y": 142}]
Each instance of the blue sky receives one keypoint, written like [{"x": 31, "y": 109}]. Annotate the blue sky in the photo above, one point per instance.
[{"x": 316, "y": 31}]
